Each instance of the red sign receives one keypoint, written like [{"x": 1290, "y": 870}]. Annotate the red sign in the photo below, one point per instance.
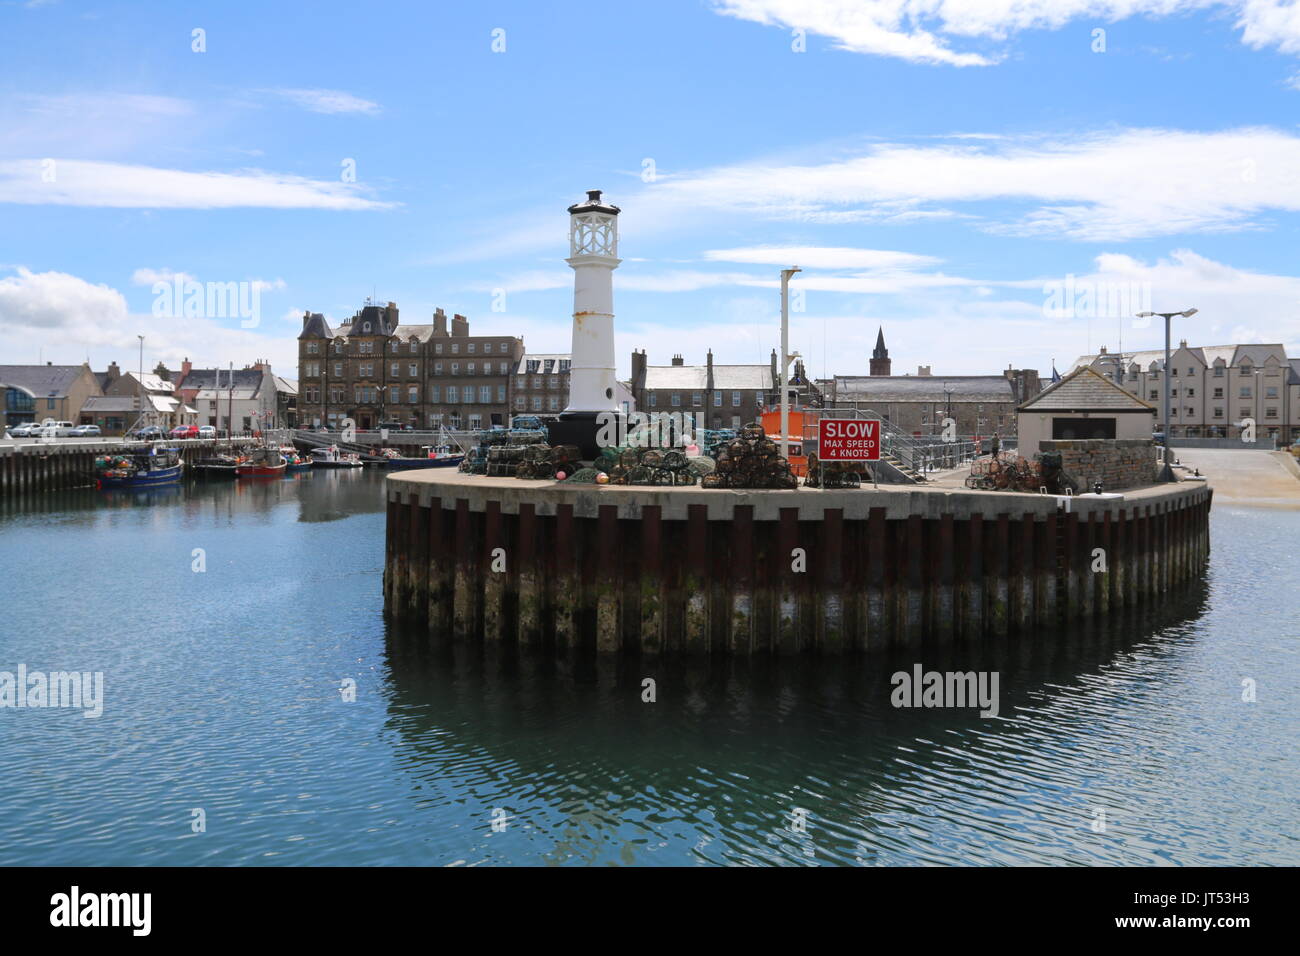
[{"x": 847, "y": 439}]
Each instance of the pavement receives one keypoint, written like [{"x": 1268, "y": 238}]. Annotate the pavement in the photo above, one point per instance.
[{"x": 1261, "y": 479}]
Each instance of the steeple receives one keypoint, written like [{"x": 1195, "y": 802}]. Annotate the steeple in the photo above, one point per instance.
[{"x": 880, "y": 355}]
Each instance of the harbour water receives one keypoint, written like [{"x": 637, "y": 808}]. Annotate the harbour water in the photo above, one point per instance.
[{"x": 222, "y": 693}]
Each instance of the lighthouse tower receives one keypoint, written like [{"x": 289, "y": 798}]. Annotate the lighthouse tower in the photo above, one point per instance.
[{"x": 593, "y": 255}]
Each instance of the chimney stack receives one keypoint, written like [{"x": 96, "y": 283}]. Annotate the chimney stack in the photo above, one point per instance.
[
  {"x": 678, "y": 360},
  {"x": 440, "y": 323}
]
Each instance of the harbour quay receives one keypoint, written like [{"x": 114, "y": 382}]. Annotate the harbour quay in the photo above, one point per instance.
[{"x": 601, "y": 569}]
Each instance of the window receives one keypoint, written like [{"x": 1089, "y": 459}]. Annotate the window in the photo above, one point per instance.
[
  {"x": 311, "y": 348},
  {"x": 338, "y": 369},
  {"x": 537, "y": 381},
  {"x": 1190, "y": 412},
  {"x": 502, "y": 368},
  {"x": 437, "y": 348},
  {"x": 1154, "y": 394},
  {"x": 469, "y": 368},
  {"x": 654, "y": 399},
  {"x": 1218, "y": 371},
  {"x": 435, "y": 393},
  {"x": 537, "y": 403},
  {"x": 395, "y": 370},
  {"x": 552, "y": 381},
  {"x": 412, "y": 370},
  {"x": 485, "y": 394},
  {"x": 532, "y": 365},
  {"x": 1245, "y": 391},
  {"x": 394, "y": 394},
  {"x": 677, "y": 399},
  {"x": 520, "y": 403},
  {"x": 452, "y": 394},
  {"x": 1173, "y": 393},
  {"x": 413, "y": 395},
  {"x": 553, "y": 404},
  {"x": 455, "y": 348},
  {"x": 735, "y": 399},
  {"x": 366, "y": 327},
  {"x": 470, "y": 348},
  {"x": 696, "y": 399},
  {"x": 501, "y": 393},
  {"x": 437, "y": 368},
  {"x": 1191, "y": 393},
  {"x": 1270, "y": 413},
  {"x": 475, "y": 422},
  {"x": 365, "y": 348},
  {"x": 717, "y": 399},
  {"x": 1270, "y": 391},
  {"x": 735, "y": 421},
  {"x": 312, "y": 369},
  {"x": 1218, "y": 393},
  {"x": 455, "y": 368}
]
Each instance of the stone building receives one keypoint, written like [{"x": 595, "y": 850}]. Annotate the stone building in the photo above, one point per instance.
[
  {"x": 541, "y": 385},
  {"x": 241, "y": 400},
  {"x": 728, "y": 396},
  {"x": 374, "y": 370},
  {"x": 980, "y": 405},
  {"x": 38, "y": 392},
  {"x": 1212, "y": 389}
]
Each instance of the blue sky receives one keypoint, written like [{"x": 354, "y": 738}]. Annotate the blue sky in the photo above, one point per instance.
[{"x": 944, "y": 168}]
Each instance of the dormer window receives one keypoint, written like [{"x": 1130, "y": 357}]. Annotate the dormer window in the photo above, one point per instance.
[{"x": 365, "y": 327}]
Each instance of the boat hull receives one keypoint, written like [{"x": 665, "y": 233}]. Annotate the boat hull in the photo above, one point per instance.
[
  {"x": 259, "y": 471},
  {"x": 400, "y": 464},
  {"x": 159, "y": 476}
]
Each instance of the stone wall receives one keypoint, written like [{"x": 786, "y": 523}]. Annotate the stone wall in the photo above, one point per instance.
[{"x": 1116, "y": 463}]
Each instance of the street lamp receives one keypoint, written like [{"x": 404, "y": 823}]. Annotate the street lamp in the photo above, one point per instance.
[
  {"x": 1167, "y": 473},
  {"x": 785, "y": 358}
]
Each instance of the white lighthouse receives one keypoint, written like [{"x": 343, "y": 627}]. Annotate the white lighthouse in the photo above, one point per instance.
[{"x": 593, "y": 254}]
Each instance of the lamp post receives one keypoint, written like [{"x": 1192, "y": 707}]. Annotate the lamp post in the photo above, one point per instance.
[
  {"x": 785, "y": 358},
  {"x": 1167, "y": 473}
]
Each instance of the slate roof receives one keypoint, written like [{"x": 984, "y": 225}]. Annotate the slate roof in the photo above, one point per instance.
[
  {"x": 739, "y": 377},
  {"x": 1208, "y": 354},
  {"x": 543, "y": 357},
  {"x": 923, "y": 388},
  {"x": 316, "y": 328},
  {"x": 1085, "y": 389},
  {"x": 43, "y": 381},
  {"x": 679, "y": 377}
]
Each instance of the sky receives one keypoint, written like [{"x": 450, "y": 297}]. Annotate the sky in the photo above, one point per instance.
[{"x": 994, "y": 182}]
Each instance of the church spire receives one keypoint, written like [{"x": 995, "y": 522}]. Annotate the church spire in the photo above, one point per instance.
[{"x": 880, "y": 355}]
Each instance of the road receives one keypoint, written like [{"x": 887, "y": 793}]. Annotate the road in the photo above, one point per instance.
[{"x": 1258, "y": 478}]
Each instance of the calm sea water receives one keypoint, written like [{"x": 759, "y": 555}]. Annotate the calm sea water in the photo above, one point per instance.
[{"x": 222, "y": 694}]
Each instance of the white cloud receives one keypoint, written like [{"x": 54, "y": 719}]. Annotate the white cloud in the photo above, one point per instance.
[
  {"x": 72, "y": 319},
  {"x": 1099, "y": 187},
  {"x": 150, "y": 276},
  {"x": 920, "y": 31},
  {"x": 56, "y": 301},
  {"x": 327, "y": 101},
  {"x": 822, "y": 257},
  {"x": 73, "y": 182}
]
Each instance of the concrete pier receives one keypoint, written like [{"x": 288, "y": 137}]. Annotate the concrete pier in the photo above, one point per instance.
[
  {"x": 37, "y": 467},
  {"x": 605, "y": 569}
]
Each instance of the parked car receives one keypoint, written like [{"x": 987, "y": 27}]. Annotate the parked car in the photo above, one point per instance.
[
  {"x": 147, "y": 433},
  {"x": 53, "y": 429},
  {"x": 86, "y": 431},
  {"x": 396, "y": 426},
  {"x": 207, "y": 431},
  {"x": 185, "y": 431},
  {"x": 25, "y": 430}
]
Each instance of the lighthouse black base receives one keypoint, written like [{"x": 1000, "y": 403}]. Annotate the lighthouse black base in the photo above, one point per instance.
[{"x": 583, "y": 429}]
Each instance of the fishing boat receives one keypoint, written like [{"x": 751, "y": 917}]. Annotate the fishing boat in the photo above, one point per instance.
[
  {"x": 139, "y": 468},
  {"x": 331, "y": 457},
  {"x": 216, "y": 466},
  {"x": 391, "y": 459},
  {"x": 263, "y": 462},
  {"x": 294, "y": 460}
]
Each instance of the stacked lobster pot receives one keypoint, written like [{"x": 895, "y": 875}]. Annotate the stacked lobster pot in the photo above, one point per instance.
[
  {"x": 544, "y": 461},
  {"x": 834, "y": 474},
  {"x": 751, "y": 460},
  {"x": 499, "y": 451}
]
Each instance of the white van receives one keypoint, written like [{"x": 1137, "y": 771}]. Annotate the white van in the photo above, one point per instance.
[{"x": 53, "y": 429}]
